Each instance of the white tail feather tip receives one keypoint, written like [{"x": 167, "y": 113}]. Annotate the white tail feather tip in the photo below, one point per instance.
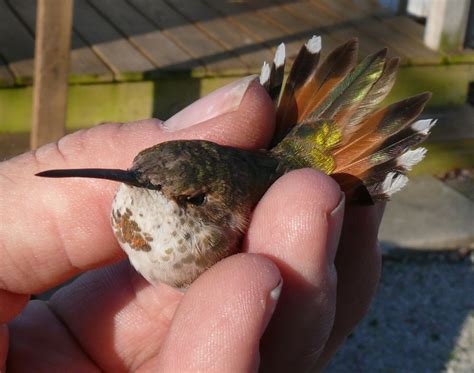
[
  {"x": 279, "y": 59},
  {"x": 423, "y": 126},
  {"x": 313, "y": 45},
  {"x": 411, "y": 158},
  {"x": 265, "y": 73},
  {"x": 393, "y": 183}
]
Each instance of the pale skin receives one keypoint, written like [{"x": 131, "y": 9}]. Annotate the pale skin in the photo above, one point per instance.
[{"x": 111, "y": 319}]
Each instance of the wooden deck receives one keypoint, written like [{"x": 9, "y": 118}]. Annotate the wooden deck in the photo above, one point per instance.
[
  {"x": 135, "y": 59},
  {"x": 129, "y": 40}
]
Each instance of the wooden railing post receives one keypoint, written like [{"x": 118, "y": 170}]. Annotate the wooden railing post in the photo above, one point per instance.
[
  {"x": 446, "y": 24},
  {"x": 52, "y": 47}
]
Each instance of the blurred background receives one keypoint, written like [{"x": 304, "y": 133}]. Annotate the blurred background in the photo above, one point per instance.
[{"x": 67, "y": 64}]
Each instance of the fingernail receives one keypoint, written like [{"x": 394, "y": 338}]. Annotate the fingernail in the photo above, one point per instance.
[
  {"x": 223, "y": 100},
  {"x": 272, "y": 301},
  {"x": 335, "y": 219}
]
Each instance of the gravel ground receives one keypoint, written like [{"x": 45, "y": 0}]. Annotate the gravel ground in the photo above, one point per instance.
[{"x": 422, "y": 319}]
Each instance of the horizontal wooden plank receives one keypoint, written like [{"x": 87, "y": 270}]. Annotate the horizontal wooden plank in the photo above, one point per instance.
[
  {"x": 405, "y": 26},
  {"x": 408, "y": 49},
  {"x": 298, "y": 30},
  {"x": 150, "y": 41},
  {"x": 258, "y": 28},
  {"x": 268, "y": 33},
  {"x": 84, "y": 62},
  {"x": 115, "y": 50},
  {"x": 345, "y": 19},
  {"x": 321, "y": 24},
  {"x": 277, "y": 15},
  {"x": 413, "y": 34},
  {"x": 368, "y": 27},
  {"x": 213, "y": 57},
  {"x": 250, "y": 50},
  {"x": 344, "y": 29},
  {"x": 16, "y": 44},
  {"x": 344, "y": 9},
  {"x": 369, "y": 7}
]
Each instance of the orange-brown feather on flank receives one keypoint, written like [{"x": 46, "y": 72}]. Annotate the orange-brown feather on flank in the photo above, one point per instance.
[{"x": 337, "y": 126}]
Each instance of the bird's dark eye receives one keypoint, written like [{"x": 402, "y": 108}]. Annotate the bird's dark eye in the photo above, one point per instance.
[{"x": 197, "y": 200}]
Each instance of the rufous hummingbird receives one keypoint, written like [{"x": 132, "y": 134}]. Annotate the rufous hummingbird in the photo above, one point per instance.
[{"x": 184, "y": 205}]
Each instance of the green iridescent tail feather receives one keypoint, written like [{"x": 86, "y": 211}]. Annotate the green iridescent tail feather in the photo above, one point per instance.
[{"x": 328, "y": 119}]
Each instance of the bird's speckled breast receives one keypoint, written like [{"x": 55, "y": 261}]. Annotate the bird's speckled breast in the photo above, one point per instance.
[{"x": 163, "y": 241}]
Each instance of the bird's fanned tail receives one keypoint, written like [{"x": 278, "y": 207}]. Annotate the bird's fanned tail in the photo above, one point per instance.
[{"x": 328, "y": 118}]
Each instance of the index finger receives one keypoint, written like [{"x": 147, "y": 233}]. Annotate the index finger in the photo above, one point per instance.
[{"x": 52, "y": 230}]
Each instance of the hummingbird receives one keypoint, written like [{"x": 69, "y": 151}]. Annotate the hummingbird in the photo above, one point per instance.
[{"x": 184, "y": 205}]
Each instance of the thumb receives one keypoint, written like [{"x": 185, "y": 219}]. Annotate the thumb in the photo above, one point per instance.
[{"x": 219, "y": 323}]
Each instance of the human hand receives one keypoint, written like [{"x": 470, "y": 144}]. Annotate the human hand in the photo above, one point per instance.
[{"x": 111, "y": 319}]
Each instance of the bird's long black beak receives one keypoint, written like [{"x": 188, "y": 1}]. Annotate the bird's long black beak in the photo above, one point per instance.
[{"x": 124, "y": 176}]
